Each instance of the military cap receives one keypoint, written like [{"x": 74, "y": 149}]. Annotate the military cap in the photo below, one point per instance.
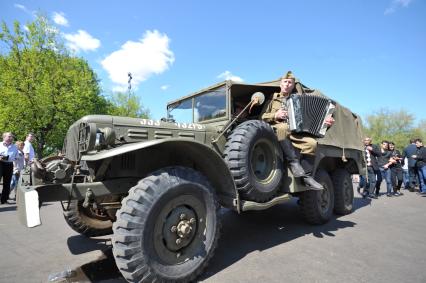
[{"x": 289, "y": 75}]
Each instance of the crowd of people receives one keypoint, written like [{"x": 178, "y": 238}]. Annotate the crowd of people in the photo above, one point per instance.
[
  {"x": 386, "y": 163},
  {"x": 14, "y": 157}
]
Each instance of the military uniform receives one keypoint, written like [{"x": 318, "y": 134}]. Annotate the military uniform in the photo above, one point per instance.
[{"x": 306, "y": 144}]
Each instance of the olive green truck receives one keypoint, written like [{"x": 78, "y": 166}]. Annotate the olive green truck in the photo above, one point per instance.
[{"x": 157, "y": 186}]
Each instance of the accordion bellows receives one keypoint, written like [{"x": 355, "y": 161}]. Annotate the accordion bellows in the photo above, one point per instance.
[{"x": 307, "y": 114}]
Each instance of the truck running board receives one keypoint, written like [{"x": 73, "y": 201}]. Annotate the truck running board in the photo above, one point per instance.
[{"x": 252, "y": 205}]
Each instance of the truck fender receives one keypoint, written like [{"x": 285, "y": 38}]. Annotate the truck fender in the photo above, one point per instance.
[{"x": 204, "y": 159}]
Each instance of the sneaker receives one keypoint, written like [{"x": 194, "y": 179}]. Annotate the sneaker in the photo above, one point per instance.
[
  {"x": 388, "y": 195},
  {"x": 397, "y": 194},
  {"x": 372, "y": 196}
]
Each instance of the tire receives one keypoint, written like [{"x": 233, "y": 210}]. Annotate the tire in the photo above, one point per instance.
[
  {"x": 343, "y": 192},
  {"x": 254, "y": 159},
  {"x": 317, "y": 206},
  {"x": 172, "y": 204},
  {"x": 86, "y": 221}
]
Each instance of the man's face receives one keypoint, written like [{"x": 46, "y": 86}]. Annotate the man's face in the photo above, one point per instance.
[
  {"x": 30, "y": 138},
  {"x": 419, "y": 144},
  {"x": 367, "y": 141},
  {"x": 385, "y": 145},
  {"x": 287, "y": 85},
  {"x": 391, "y": 146},
  {"x": 21, "y": 146},
  {"x": 7, "y": 138}
]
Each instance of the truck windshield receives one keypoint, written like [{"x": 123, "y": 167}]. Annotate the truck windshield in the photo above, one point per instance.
[{"x": 209, "y": 105}]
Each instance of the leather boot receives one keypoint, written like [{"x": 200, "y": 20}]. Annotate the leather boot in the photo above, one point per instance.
[
  {"x": 292, "y": 156},
  {"x": 308, "y": 165},
  {"x": 312, "y": 184}
]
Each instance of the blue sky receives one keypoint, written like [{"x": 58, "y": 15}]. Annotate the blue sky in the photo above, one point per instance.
[{"x": 367, "y": 55}]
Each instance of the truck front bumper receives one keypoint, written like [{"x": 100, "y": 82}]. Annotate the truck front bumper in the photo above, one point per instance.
[{"x": 30, "y": 198}]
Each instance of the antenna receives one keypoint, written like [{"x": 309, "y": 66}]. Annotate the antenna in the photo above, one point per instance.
[
  {"x": 129, "y": 91},
  {"x": 130, "y": 80}
]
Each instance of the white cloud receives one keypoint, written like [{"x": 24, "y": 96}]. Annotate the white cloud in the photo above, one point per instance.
[
  {"x": 120, "y": 88},
  {"x": 227, "y": 75},
  {"x": 59, "y": 19},
  {"x": 25, "y": 9},
  {"x": 150, "y": 55},
  {"x": 395, "y": 4},
  {"x": 164, "y": 87},
  {"x": 82, "y": 41}
]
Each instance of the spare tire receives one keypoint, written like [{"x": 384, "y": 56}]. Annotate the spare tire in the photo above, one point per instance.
[{"x": 254, "y": 158}]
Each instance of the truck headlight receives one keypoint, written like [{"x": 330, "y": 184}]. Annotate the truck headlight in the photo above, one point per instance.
[{"x": 100, "y": 140}]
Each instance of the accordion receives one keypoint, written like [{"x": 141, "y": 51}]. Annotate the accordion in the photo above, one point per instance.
[{"x": 307, "y": 114}]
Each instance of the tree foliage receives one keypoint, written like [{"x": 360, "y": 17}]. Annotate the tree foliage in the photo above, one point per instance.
[
  {"x": 397, "y": 126},
  {"x": 127, "y": 104},
  {"x": 43, "y": 88}
]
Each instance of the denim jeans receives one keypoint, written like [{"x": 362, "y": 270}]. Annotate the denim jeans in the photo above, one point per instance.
[
  {"x": 386, "y": 175},
  {"x": 371, "y": 184},
  {"x": 422, "y": 178},
  {"x": 406, "y": 178},
  {"x": 14, "y": 182}
]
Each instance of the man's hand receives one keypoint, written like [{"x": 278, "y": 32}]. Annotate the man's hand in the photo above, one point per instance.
[
  {"x": 281, "y": 115},
  {"x": 369, "y": 148},
  {"x": 329, "y": 121}
]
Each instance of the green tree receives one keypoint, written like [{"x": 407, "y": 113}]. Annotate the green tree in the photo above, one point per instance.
[
  {"x": 43, "y": 88},
  {"x": 397, "y": 126},
  {"x": 128, "y": 105}
]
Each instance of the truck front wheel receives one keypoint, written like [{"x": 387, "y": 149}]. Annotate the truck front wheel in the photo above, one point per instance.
[{"x": 167, "y": 227}]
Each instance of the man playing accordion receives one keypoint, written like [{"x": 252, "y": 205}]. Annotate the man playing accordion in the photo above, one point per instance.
[{"x": 298, "y": 149}]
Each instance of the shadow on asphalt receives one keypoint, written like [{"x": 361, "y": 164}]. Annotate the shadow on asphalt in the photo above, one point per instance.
[
  {"x": 7, "y": 208},
  {"x": 12, "y": 206},
  {"x": 80, "y": 244},
  {"x": 262, "y": 230},
  {"x": 241, "y": 235}
]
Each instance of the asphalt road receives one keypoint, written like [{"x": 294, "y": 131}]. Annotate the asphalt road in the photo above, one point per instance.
[{"x": 383, "y": 240}]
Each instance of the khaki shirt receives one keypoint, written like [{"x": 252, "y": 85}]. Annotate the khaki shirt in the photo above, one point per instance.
[{"x": 277, "y": 102}]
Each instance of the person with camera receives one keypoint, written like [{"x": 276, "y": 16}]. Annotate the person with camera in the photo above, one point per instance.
[{"x": 8, "y": 152}]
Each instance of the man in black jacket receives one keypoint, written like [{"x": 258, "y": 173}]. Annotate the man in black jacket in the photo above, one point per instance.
[
  {"x": 371, "y": 152},
  {"x": 408, "y": 152},
  {"x": 396, "y": 169},
  {"x": 384, "y": 163},
  {"x": 420, "y": 158}
]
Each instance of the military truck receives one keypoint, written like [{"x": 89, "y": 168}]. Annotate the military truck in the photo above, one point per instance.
[{"x": 157, "y": 186}]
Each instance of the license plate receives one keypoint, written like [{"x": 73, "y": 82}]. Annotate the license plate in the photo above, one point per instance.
[{"x": 28, "y": 207}]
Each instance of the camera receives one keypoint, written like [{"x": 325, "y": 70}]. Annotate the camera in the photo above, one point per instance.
[{"x": 4, "y": 157}]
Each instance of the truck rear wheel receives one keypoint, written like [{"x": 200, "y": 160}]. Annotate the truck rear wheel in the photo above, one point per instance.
[
  {"x": 317, "y": 206},
  {"x": 88, "y": 221},
  {"x": 343, "y": 192},
  {"x": 167, "y": 228},
  {"x": 254, "y": 158}
]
